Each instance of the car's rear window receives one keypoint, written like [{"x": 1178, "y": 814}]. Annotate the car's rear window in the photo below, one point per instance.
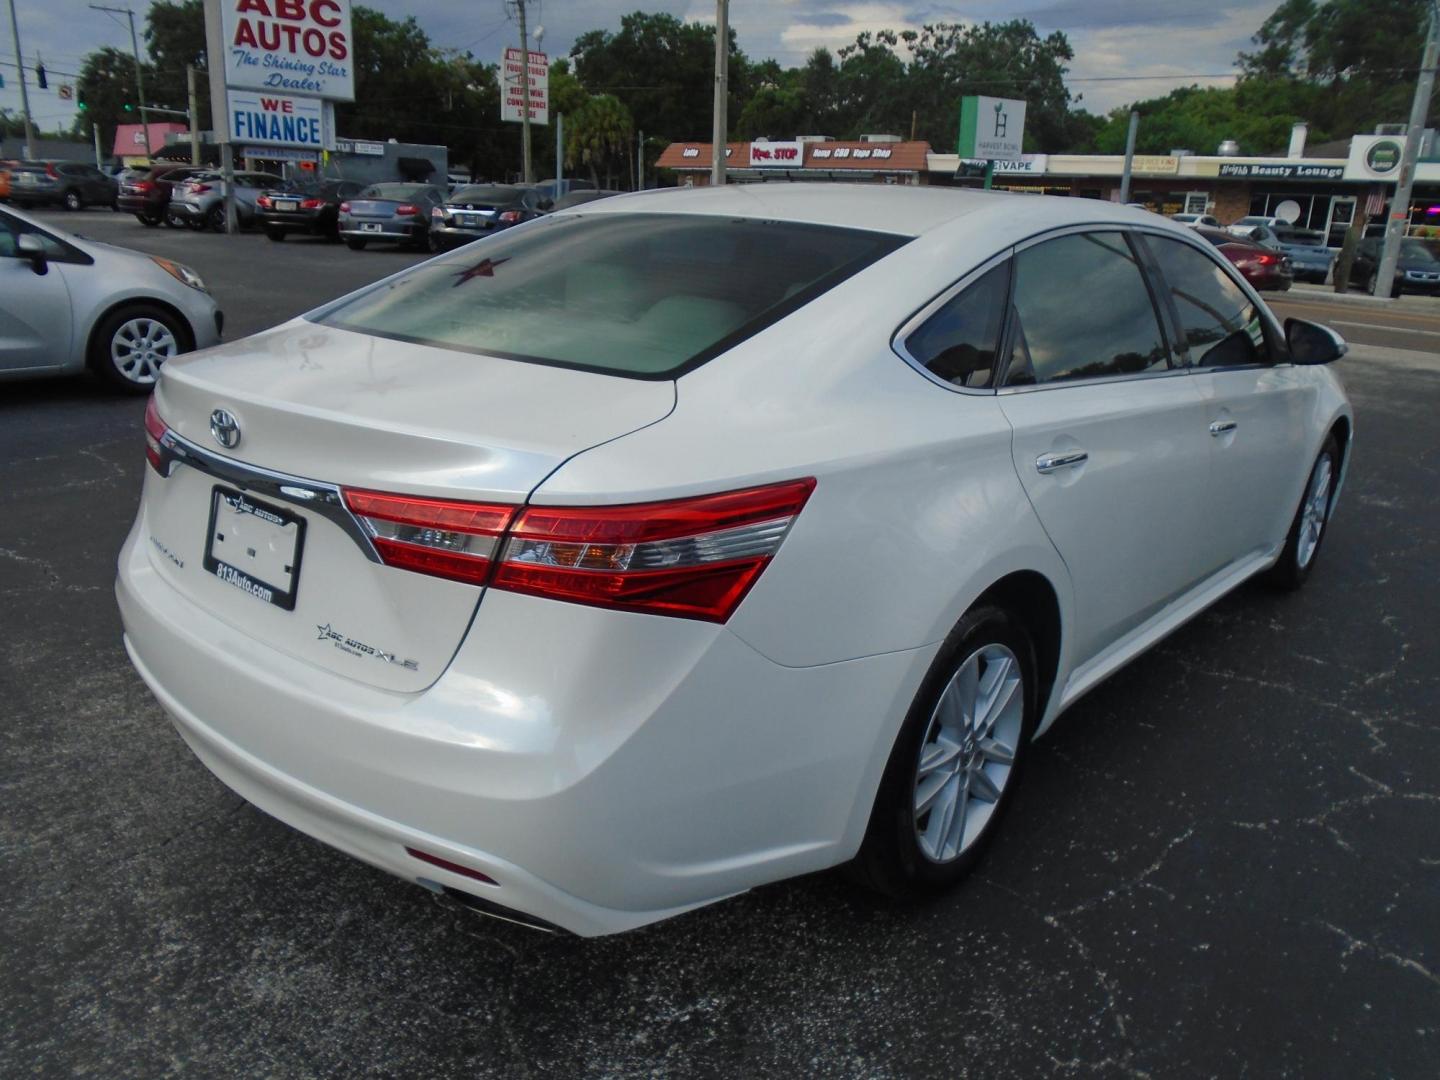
[
  {"x": 394, "y": 191},
  {"x": 494, "y": 194},
  {"x": 640, "y": 295}
]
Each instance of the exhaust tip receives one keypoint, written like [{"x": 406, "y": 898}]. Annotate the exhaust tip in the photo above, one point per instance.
[{"x": 499, "y": 911}]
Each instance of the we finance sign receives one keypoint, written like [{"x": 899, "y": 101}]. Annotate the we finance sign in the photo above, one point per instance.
[
  {"x": 272, "y": 120},
  {"x": 294, "y": 46}
]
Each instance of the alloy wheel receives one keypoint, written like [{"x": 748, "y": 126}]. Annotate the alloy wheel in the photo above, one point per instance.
[
  {"x": 140, "y": 347},
  {"x": 968, "y": 753},
  {"x": 1314, "y": 511}
]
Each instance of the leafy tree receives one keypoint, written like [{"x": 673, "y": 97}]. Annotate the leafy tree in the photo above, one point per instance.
[
  {"x": 106, "y": 85},
  {"x": 174, "y": 38},
  {"x": 662, "y": 71}
]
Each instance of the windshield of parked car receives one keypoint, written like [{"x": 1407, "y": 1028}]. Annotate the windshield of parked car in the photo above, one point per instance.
[
  {"x": 1414, "y": 251},
  {"x": 645, "y": 295},
  {"x": 394, "y": 191},
  {"x": 491, "y": 194}
]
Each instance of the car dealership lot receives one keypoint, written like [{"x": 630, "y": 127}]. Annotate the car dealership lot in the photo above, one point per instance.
[{"x": 1223, "y": 860}]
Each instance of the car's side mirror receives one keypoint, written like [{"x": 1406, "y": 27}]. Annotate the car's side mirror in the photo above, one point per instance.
[
  {"x": 29, "y": 248},
  {"x": 546, "y": 204},
  {"x": 1311, "y": 343}
]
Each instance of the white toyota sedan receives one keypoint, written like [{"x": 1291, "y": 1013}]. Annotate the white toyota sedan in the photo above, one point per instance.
[{"x": 687, "y": 541}]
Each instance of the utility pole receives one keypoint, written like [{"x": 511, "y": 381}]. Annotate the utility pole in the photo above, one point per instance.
[
  {"x": 139, "y": 80},
  {"x": 640, "y": 164},
  {"x": 720, "y": 129},
  {"x": 24, "y": 93},
  {"x": 1129, "y": 157},
  {"x": 194, "y": 113},
  {"x": 220, "y": 105},
  {"x": 95, "y": 134},
  {"x": 1399, "y": 218},
  {"x": 559, "y": 155},
  {"x": 528, "y": 176}
]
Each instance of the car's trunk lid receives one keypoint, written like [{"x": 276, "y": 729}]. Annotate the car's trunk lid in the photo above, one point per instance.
[{"x": 320, "y": 408}]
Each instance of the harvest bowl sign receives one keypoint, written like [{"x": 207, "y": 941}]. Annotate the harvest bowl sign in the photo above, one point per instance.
[{"x": 294, "y": 46}]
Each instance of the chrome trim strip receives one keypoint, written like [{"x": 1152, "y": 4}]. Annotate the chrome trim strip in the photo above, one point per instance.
[{"x": 315, "y": 496}]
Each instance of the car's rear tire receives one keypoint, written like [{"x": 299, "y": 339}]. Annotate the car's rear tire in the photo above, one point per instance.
[
  {"x": 215, "y": 219},
  {"x": 958, "y": 755},
  {"x": 131, "y": 345},
  {"x": 355, "y": 243},
  {"x": 150, "y": 221},
  {"x": 1307, "y": 530},
  {"x": 278, "y": 235},
  {"x": 176, "y": 220},
  {"x": 71, "y": 200}
]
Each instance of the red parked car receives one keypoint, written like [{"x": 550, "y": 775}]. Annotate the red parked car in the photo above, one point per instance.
[{"x": 1263, "y": 267}]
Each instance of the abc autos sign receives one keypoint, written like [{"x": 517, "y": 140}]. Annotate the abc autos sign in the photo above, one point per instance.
[{"x": 290, "y": 46}]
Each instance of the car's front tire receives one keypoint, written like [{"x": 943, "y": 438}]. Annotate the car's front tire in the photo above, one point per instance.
[
  {"x": 956, "y": 761},
  {"x": 1302, "y": 543},
  {"x": 71, "y": 200},
  {"x": 277, "y": 235},
  {"x": 215, "y": 219},
  {"x": 133, "y": 343}
]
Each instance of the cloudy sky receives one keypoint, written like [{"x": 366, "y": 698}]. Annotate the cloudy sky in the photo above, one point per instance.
[{"x": 1124, "y": 49}]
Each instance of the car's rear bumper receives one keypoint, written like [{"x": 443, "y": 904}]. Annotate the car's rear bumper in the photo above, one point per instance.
[
  {"x": 299, "y": 220},
  {"x": 605, "y": 769},
  {"x": 452, "y": 234},
  {"x": 387, "y": 231}
]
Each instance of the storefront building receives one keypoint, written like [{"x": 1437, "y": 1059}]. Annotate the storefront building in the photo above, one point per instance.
[
  {"x": 873, "y": 159},
  {"x": 1321, "y": 189}
]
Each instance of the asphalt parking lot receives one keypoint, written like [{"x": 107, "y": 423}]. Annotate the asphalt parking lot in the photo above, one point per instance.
[{"x": 1224, "y": 862}]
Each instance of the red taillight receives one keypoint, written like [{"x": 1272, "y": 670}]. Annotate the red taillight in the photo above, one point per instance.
[
  {"x": 344, "y": 207},
  {"x": 1267, "y": 259},
  {"x": 264, "y": 202},
  {"x": 311, "y": 204},
  {"x": 693, "y": 558},
  {"x": 406, "y": 210},
  {"x": 50, "y": 171},
  {"x": 155, "y": 430},
  {"x": 143, "y": 186},
  {"x": 443, "y": 537},
  {"x": 510, "y": 216}
]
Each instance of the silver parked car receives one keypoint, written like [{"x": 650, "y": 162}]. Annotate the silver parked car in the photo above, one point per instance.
[
  {"x": 67, "y": 303},
  {"x": 201, "y": 199}
]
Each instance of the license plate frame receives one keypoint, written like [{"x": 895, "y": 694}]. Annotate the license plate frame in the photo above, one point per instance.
[
  {"x": 286, "y": 205},
  {"x": 371, "y": 226},
  {"x": 270, "y": 523}
]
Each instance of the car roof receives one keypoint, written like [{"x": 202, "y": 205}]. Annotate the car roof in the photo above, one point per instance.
[{"x": 892, "y": 208}]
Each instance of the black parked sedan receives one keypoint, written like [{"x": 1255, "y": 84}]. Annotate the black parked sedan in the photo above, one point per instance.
[
  {"x": 313, "y": 209},
  {"x": 1417, "y": 270},
  {"x": 399, "y": 213},
  {"x": 473, "y": 212}
]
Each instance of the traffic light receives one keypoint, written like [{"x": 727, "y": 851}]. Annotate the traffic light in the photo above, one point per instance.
[
  {"x": 128, "y": 107},
  {"x": 40, "y": 77},
  {"x": 80, "y": 105}
]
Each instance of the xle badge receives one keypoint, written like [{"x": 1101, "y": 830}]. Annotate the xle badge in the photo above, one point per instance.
[{"x": 359, "y": 648}]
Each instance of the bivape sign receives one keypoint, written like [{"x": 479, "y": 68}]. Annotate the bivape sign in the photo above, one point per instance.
[{"x": 289, "y": 46}]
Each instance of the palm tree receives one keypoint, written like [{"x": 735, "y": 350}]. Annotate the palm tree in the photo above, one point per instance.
[{"x": 598, "y": 133}]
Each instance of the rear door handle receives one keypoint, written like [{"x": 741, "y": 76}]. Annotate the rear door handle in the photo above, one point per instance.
[
  {"x": 1048, "y": 463},
  {"x": 1220, "y": 427}
]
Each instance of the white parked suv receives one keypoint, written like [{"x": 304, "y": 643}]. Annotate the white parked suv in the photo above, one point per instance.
[{"x": 652, "y": 551}]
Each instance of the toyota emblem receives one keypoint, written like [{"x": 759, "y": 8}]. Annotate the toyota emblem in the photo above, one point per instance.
[{"x": 225, "y": 428}]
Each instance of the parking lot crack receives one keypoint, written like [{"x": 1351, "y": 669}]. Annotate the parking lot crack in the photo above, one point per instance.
[
  {"x": 1354, "y": 945},
  {"x": 1140, "y": 880}
]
